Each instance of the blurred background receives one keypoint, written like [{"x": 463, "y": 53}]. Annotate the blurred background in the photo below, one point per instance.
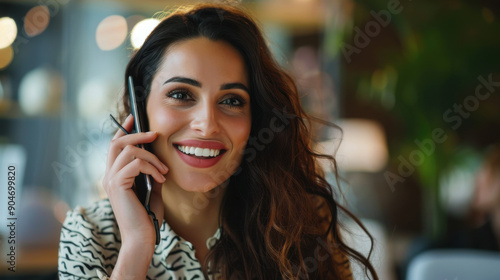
[{"x": 415, "y": 86}]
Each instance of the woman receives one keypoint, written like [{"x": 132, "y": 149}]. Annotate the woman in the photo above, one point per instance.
[{"x": 237, "y": 185}]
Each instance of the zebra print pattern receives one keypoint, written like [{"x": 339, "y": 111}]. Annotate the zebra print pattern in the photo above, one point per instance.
[{"x": 90, "y": 243}]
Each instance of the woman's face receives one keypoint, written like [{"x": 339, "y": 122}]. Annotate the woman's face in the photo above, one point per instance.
[{"x": 199, "y": 105}]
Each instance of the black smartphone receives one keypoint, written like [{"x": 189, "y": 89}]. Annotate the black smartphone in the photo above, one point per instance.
[{"x": 143, "y": 184}]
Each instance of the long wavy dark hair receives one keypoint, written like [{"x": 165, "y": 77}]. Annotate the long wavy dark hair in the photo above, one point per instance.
[{"x": 279, "y": 218}]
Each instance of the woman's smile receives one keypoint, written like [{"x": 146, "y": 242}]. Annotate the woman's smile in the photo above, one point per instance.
[{"x": 200, "y": 154}]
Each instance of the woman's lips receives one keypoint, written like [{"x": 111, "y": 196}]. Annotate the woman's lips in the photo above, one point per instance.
[{"x": 200, "y": 154}]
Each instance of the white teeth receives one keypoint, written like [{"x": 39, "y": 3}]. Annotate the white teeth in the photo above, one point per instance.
[
  {"x": 199, "y": 152},
  {"x": 206, "y": 152}
]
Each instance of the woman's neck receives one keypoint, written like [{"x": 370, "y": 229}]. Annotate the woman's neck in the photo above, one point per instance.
[{"x": 193, "y": 215}]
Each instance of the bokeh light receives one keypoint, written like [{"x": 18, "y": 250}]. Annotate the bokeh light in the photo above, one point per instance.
[
  {"x": 93, "y": 98},
  {"x": 141, "y": 31},
  {"x": 8, "y": 32},
  {"x": 40, "y": 92},
  {"x": 36, "y": 21},
  {"x": 6, "y": 56},
  {"x": 111, "y": 32},
  {"x": 363, "y": 146}
]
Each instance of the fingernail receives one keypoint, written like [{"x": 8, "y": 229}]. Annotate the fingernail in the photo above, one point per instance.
[
  {"x": 151, "y": 132},
  {"x": 165, "y": 167},
  {"x": 128, "y": 117}
]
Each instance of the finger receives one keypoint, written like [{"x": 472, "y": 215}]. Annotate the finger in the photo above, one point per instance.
[
  {"x": 124, "y": 178},
  {"x": 117, "y": 145},
  {"x": 128, "y": 124},
  {"x": 130, "y": 153},
  {"x": 128, "y": 173}
]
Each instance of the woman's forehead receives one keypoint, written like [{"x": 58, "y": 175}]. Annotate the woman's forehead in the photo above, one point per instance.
[{"x": 203, "y": 58}]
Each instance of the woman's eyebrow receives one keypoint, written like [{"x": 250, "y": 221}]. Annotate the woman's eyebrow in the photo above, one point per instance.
[
  {"x": 235, "y": 85},
  {"x": 183, "y": 80},
  {"x": 195, "y": 83}
]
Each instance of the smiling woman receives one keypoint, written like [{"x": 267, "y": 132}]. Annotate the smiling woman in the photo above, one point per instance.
[{"x": 210, "y": 85}]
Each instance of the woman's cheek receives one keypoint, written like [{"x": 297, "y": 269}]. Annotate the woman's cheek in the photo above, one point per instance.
[
  {"x": 241, "y": 133},
  {"x": 241, "y": 130},
  {"x": 165, "y": 123}
]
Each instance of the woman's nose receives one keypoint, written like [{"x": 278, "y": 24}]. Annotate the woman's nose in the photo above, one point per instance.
[{"x": 205, "y": 120}]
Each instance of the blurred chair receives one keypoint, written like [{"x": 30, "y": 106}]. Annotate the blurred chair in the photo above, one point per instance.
[{"x": 455, "y": 264}]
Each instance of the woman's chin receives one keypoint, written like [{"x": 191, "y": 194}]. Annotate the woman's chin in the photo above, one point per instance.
[{"x": 200, "y": 184}]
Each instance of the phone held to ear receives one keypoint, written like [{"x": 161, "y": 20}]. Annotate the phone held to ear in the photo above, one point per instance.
[{"x": 143, "y": 184}]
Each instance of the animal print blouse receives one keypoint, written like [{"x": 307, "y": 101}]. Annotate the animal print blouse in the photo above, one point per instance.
[{"x": 90, "y": 243}]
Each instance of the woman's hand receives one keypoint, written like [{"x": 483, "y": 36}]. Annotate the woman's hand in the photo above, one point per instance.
[{"x": 125, "y": 162}]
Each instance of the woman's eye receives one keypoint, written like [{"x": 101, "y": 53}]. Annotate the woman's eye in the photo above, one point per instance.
[
  {"x": 233, "y": 102},
  {"x": 179, "y": 95}
]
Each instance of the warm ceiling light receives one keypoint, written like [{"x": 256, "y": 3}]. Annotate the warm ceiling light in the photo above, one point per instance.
[
  {"x": 141, "y": 31},
  {"x": 6, "y": 56},
  {"x": 111, "y": 32},
  {"x": 363, "y": 146},
  {"x": 8, "y": 32},
  {"x": 36, "y": 21}
]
